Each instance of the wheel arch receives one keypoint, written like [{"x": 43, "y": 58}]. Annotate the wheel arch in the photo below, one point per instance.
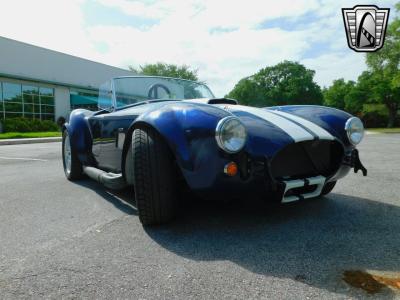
[
  {"x": 128, "y": 142},
  {"x": 80, "y": 134},
  {"x": 181, "y": 126}
]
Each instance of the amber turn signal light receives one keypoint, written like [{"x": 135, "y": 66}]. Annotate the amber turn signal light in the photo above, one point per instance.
[{"x": 231, "y": 169}]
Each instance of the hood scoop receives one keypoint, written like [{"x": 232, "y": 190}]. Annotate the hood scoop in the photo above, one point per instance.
[
  {"x": 214, "y": 101},
  {"x": 222, "y": 101}
]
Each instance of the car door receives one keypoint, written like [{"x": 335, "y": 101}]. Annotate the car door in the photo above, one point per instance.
[
  {"x": 113, "y": 128},
  {"x": 112, "y": 135},
  {"x": 105, "y": 131}
]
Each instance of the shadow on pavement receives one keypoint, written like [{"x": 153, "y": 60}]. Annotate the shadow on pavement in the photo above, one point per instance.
[
  {"x": 312, "y": 241},
  {"x": 121, "y": 199}
]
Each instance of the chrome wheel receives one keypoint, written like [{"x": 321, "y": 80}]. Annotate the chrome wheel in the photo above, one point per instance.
[
  {"x": 67, "y": 154},
  {"x": 72, "y": 165}
]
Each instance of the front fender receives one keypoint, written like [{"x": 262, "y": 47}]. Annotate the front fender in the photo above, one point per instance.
[
  {"x": 189, "y": 130},
  {"x": 185, "y": 127}
]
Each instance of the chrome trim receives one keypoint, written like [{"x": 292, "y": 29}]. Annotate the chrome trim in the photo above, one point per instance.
[
  {"x": 219, "y": 128},
  {"x": 67, "y": 154},
  {"x": 319, "y": 181},
  {"x": 114, "y": 97},
  {"x": 110, "y": 180},
  {"x": 347, "y": 128}
]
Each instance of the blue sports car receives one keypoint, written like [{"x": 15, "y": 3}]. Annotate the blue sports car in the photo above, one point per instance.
[{"x": 161, "y": 134}]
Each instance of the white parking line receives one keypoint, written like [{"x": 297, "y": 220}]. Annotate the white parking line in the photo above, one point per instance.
[{"x": 22, "y": 158}]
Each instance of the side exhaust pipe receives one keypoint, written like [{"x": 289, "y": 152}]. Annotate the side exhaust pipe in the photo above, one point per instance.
[{"x": 109, "y": 180}]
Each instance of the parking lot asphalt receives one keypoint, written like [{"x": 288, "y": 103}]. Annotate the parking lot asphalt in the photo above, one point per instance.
[{"x": 60, "y": 239}]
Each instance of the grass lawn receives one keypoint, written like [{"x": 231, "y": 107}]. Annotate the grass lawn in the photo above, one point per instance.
[
  {"x": 384, "y": 130},
  {"x": 22, "y": 135}
]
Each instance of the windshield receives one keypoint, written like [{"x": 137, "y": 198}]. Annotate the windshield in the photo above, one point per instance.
[{"x": 130, "y": 90}]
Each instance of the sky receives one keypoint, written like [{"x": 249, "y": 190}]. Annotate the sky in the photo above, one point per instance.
[{"x": 224, "y": 40}]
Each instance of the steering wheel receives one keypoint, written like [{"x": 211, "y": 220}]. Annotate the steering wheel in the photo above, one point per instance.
[{"x": 154, "y": 90}]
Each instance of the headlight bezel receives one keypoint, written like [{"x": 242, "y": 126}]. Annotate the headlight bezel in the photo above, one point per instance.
[
  {"x": 219, "y": 134},
  {"x": 350, "y": 130}
]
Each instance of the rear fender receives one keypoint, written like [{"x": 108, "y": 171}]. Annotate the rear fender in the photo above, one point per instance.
[{"x": 79, "y": 132}]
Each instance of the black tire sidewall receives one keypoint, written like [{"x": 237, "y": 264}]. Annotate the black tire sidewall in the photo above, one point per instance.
[
  {"x": 329, "y": 186},
  {"x": 154, "y": 176}
]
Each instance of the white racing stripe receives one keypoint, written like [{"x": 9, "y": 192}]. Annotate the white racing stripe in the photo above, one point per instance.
[
  {"x": 296, "y": 132},
  {"x": 319, "y": 131}
]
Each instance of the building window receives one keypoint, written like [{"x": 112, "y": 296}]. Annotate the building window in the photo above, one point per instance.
[
  {"x": 1, "y": 102},
  {"x": 46, "y": 103},
  {"x": 26, "y": 101},
  {"x": 30, "y": 96},
  {"x": 12, "y": 98},
  {"x": 85, "y": 99}
]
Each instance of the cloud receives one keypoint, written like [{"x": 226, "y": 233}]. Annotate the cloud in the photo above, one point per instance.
[
  {"x": 224, "y": 13},
  {"x": 155, "y": 10},
  {"x": 58, "y": 25},
  {"x": 186, "y": 34},
  {"x": 224, "y": 40},
  {"x": 331, "y": 66}
]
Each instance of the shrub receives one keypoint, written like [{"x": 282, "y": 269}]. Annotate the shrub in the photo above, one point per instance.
[
  {"x": 28, "y": 125},
  {"x": 376, "y": 116},
  {"x": 374, "y": 119}
]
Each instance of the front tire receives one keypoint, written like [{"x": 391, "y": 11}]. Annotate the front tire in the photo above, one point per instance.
[
  {"x": 328, "y": 188},
  {"x": 72, "y": 165},
  {"x": 154, "y": 177}
]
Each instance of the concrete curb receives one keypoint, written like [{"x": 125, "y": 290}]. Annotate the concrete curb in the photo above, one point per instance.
[
  {"x": 371, "y": 132},
  {"x": 30, "y": 141}
]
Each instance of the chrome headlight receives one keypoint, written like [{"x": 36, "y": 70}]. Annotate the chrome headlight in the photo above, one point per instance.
[
  {"x": 355, "y": 130},
  {"x": 230, "y": 134}
]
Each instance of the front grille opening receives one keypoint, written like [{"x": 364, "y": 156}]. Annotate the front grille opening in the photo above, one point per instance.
[{"x": 307, "y": 159}]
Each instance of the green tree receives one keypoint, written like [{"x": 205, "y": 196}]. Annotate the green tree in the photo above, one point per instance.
[
  {"x": 285, "y": 83},
  {"x": 169, "y": 70},
  {"x": 248, "y": 92},
  {"x": 384, "y": 71},
  {"x": 355, "y": 99},
  {"x": 335, "y": 95}
]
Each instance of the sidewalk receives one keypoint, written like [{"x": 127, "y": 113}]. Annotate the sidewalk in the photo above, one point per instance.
[{"x": 30, "y": 141}]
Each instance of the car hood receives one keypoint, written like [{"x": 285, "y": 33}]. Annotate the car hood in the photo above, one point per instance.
[{"x": 269, "y": 129}]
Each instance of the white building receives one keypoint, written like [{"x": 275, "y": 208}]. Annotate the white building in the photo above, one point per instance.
[{"x": 40, "y": 83}]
